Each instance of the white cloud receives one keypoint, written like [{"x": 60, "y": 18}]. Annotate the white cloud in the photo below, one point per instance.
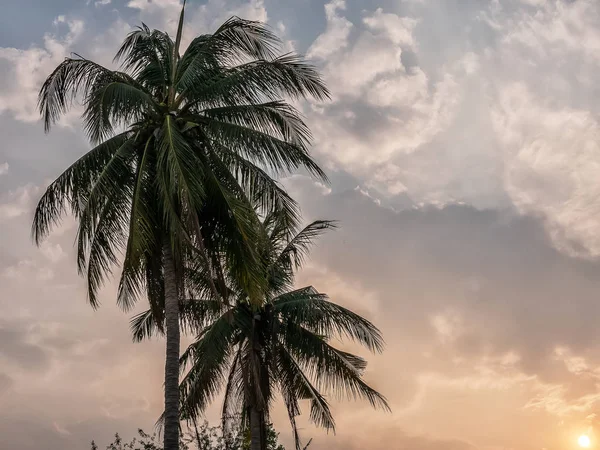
[
  {"x": 405, "y": 109},
  {"x": 398, "y": 29},
  {"x": 4, "y": 168},
  {"x": 553, "y": 398},
  {"x": 61, "y": 430},
  {"x": 479, "y": 125},
  {"x": 547, "y": 127},
  {"x": 98, "y": 3},
  {"x": 558, "y": 27},
  {"x": 155, "y": 5},
  {"x": 203, "y": 18},
  {"x": 350, "y": 293},
  {"x": 552, "y": 160},
  {"x": 447, "y": 325},
  {"x": 17, "y": 202},
  {"x": 575, "y": 364},
  {"x": 335, "y": 36},
  {"x": 25, "y": 70},
  {"x": 27, "y": 270},
  {"x": 54, "y": 253}
]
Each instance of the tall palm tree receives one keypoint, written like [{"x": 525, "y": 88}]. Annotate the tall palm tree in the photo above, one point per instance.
[
  {"x": 282, "y": 344},
  {"x": 182, "y": 142}
]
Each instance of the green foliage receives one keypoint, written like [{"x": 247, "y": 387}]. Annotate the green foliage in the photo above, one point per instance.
[
  {"x": 142, "y": 442},
  {"x": 201, "y": 437}
]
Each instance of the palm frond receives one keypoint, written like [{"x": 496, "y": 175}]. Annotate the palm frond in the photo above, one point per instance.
[
  {"x": 293, "y": 410},
  {"x": 293, "y": 254},
  {"x": 155, "y": 284},
  {"x": 295, "y": 384},
  {"x": 334, "y": 370},
  {"x": 265, "y": 194},
  {"x": 307, "y": 308},
  {"x": 110, "y": 187},
  {"x": 143, "y": 326},
  {"x": 193, "y": 315},
  {"x": 102, "y": 231},
  {"x": 115, "y": 99},
  {"x": 278, "y": 119},
  {"x": 142, "y": 231},
  {"x": 72, "y": 77},
  {"x": 181, "y": 166},
  {"x": 73, "y": 186},
  {"x": 236, "y": 40},
  {"x": 234, "y": 399},
  {"x": 146, "y": 54},
  {"x": 251, "y": 38},
  {"x": 208, "y": 358},
  {"x": 277, "y": 155},
  {"x": 237, "y": 229},
  {"x": 256, "y": 82}
]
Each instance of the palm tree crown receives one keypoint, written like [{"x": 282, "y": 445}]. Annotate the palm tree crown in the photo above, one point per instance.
[
  {"x": 196, "y": 133},
  {"x": 284, "y": 344}
]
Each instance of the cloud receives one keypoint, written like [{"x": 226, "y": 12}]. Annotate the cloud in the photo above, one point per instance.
[
  {"x": 398, "y": 29},
  {"x": 18, "y": 202},
  {"x": 25, "y": 70},
  {"x": 5, "y": 383},
  {"x": 335, "y": 36},
  {"x": 407, "y": 104},
  {"x": 381, "y": 107},
  {"x": 27, "y": 269},
  {"x": 203, "y": 18},
  {"x": 476, "y": 306},
  {"x": 4, "y": 168},
  {"x": 552, "y": 165},
  {"x": 547, "y": 131},
  {"x": 54, "y": 253},
  {"x": 15, "y": 348}
]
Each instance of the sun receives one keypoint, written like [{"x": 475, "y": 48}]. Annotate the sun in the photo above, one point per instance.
[{"x": 584, "y": 441}]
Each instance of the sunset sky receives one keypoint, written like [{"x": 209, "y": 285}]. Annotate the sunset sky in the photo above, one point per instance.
[{"x": 463, "y": 145}]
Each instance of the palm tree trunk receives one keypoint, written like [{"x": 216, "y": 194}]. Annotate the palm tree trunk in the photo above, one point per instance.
[
  {"x": 171, "y": 430},
  {"x": 258, "y": 439}
]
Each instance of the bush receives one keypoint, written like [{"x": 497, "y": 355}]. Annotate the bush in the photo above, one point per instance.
[{"x": 201, "y": 437}]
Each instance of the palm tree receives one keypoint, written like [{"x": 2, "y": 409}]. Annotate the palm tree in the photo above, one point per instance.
[
  {"x": 182, "y": 142},
  {"x": 283, "y": 344}
]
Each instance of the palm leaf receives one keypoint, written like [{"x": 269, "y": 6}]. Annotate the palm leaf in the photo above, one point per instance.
[
  {"x": 72, "y": 186},
  {"x": 306, "y": 307},
  {"x": 295, "y": 384},
  {"x": 336, "y": 371},
  {"x": 255, "y": 82}
]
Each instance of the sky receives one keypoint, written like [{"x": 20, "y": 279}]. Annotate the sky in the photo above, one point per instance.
[{"x": 463, "y": 145}]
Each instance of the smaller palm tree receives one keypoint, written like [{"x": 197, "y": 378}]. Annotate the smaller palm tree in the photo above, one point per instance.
[{"x": 283, "y": 345}]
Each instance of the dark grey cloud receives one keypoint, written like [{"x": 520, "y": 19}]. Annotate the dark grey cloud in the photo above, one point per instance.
[
  {"x": 497, "y": 268},
  {"x": 5, "y": 383},
  {"x": 15, "y": 348},
  {"x": 32, "y": 155},
  {"x": 28, "y": 434}
]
